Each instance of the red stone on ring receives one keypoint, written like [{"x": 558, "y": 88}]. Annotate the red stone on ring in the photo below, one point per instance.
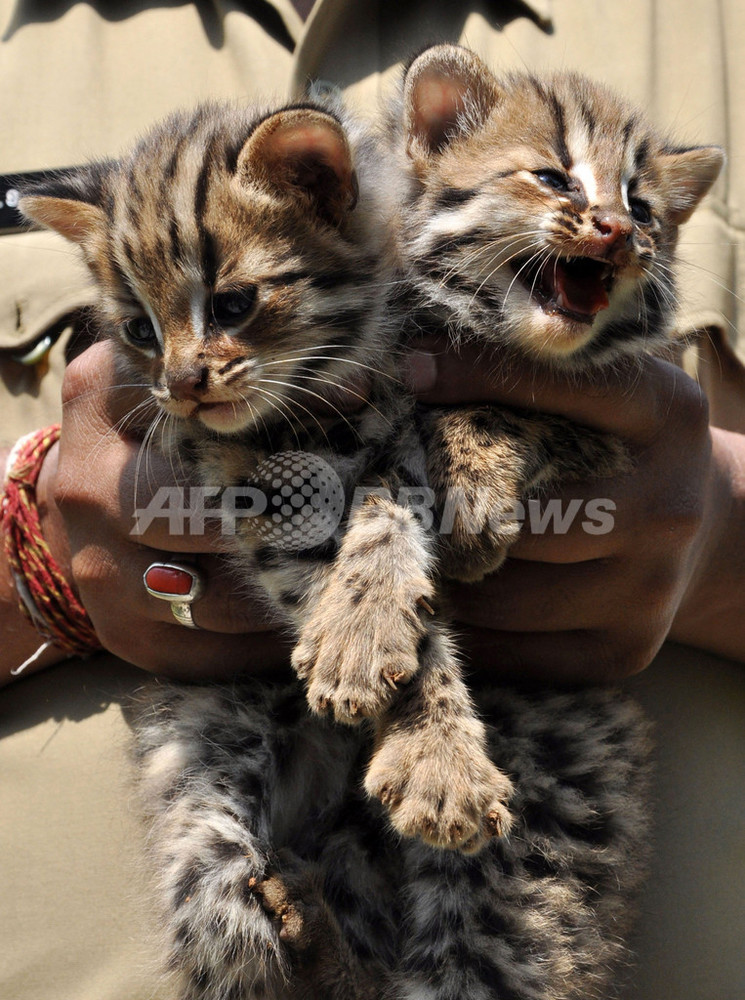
[{"x": 169, "y": 580}]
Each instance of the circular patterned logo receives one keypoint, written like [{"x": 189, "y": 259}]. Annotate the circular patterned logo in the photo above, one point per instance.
[{"x": 304, "y": 500}]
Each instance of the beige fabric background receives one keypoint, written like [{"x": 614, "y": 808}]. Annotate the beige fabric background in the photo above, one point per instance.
[
  {"x": 79, "y": 81},
  {"x": 82, "y": 84}
]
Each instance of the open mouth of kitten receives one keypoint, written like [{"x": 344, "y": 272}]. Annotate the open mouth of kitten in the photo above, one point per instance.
[{"x": 577, "y": 287}]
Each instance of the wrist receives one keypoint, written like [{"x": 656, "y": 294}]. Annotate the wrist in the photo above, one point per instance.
[
  {"x": 21, "y": 640},
  {"x": 50, "y": 518},
  {"x": 710, "y": 613},
  {"x": 33, "y": 576}
]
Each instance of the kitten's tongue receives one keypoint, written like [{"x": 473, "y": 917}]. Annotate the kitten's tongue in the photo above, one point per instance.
[{"x": 578, "y": 286}]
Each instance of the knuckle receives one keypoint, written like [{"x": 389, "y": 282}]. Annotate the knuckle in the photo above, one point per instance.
[
  {"x": 149, "y": 645},
  {"x": 635, "y": 660},
  {"x": 692, "y": 408},
  {"x": 96, "y": 573},
  {"x": 674, "y": 516},
  {"x": 67, "y": 491},
  {"x": 619, "y": 659},
  {"x": 74, "y": 381},
  {"x": 147, "y": 658},
  {"x": 683, "y": 406},
  {"x": 659, "y": 584}
]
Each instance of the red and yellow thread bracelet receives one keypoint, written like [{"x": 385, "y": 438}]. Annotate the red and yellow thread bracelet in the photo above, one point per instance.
[{"x": 44, "y": 595}]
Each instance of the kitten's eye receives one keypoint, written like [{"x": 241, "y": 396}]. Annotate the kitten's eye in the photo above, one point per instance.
[
  {"x": 553, "y": 179},
  {"x": 640, "y": 211},
  {"x": 229, "y": 308},
  {"x": 141, "y": 331}
]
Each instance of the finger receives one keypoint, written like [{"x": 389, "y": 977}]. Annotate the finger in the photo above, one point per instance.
[
  {"x": 540, "y": 597},
  {"x": 531, "y": 596},
  {"x": 565, "y": 657},
  {"x": 171, "y": 650},
  {"x": 573, "y": 526},
  {"x": 647, "y": 511},
  {"x": 634, "y": 400},
  {"x": 140, "y": 493},
  {"x": 113, "y": 395},
  {"x": 227, "y": 605},
  {"x": 109, "y": 577},
  {"x": 104, "y": 467}
]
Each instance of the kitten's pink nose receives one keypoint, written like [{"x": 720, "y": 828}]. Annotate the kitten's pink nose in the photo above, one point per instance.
[
  {"x": 612, "y": 229},
  {"x": 187, "y": 383}
]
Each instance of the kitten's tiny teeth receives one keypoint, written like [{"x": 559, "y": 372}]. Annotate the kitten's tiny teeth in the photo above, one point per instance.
[{"x": 422, "y": 602}]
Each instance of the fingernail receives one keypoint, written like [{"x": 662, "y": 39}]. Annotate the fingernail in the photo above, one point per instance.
[{"x": 422, "y": 371}]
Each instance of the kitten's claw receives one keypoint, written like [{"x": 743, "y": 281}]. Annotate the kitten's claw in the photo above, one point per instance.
[
  {"x": 494, "y": 823},
  {"x": 422, "y": 602},
  {"x": 273, "y": 896},
  {"x": 354, "y": 688}
]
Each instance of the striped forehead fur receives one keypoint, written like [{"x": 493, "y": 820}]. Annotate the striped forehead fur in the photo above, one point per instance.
[
  {"x": 161, "y": 193},
  {"x": 563, "y": 110}
]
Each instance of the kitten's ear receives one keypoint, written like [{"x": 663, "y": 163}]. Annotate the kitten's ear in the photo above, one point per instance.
[
  {"x": 689, "y": 174},
  {"x": 68, "y": 202},
  {"x": 448, "y": 92},
  {"x": 303, "y": 150}
]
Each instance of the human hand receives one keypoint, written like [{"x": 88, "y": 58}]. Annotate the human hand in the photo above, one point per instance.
[
  {"x": 576, "y": 605},
  {"x": 90, "y": 491}
]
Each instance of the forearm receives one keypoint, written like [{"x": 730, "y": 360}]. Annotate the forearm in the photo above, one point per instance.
[
  {"x": 20, "y": 640},
  {"x": 711, "y": 615}
]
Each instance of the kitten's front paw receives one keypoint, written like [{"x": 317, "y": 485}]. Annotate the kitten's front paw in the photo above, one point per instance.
[
  {"x": 447, "y": 793},
  {"x": 362, "y": 638},
  {"x": 483, "y": 530},
  {"x": 358, "y": 648}
]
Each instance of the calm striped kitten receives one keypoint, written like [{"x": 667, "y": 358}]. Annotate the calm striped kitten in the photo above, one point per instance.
[
  {"x": 245, "y": 273},
  {"x": 228, "y": 243}
]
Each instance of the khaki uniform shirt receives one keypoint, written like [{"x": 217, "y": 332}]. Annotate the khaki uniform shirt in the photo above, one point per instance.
[
  {"x": 82, "y": 84},
  {"x": 80, "y": 80}
]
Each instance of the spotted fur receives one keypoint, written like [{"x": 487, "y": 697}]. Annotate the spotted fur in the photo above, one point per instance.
[
  {"x": 283, "y": 880},
  {"x": 234, "y": 244}
]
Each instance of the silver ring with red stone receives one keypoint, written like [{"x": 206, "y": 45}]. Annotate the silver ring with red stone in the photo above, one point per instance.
[{"x": 178, "y": 583}]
